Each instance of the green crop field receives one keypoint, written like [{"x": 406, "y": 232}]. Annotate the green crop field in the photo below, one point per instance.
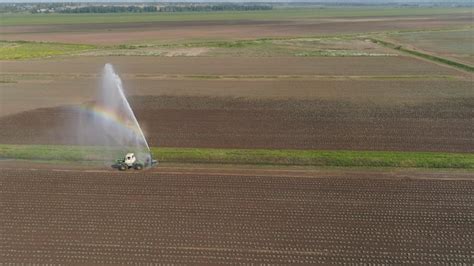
[
  {"x": 254, "y": 156},
  {"x": 26, "y": 50},
  {"x": 275, "y": 14}
]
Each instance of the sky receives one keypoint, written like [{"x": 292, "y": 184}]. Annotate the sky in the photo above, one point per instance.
[{"x": 319, "y": 1}]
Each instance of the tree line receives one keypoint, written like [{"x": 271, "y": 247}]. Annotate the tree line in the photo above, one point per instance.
[
  {"x": 108, "y": 9},
  {"x": 168, "y": 8}
]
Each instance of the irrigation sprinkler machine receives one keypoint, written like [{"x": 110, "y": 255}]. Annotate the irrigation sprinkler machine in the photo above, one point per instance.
[
  {"x": 131, "y": 162},
  {"x": 116, "y": 125}
]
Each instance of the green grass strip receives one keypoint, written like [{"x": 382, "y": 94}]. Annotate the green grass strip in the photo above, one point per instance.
[
  {"x": 255, "y": 156},
  {"x": 425, "y": 56},
  {"x": 50, "y": 152},
  {"x": 14, "y": 50}
]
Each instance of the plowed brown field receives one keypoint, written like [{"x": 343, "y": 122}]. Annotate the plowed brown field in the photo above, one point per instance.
[
  {"x": 44, "y": 90},
  {"x": 241, "y": 123},
  {"x": 246, "y": 66},
  {"x": 303, "y": 103},
  {"x": 117, "y": 33},
  {"x": 197, "y": 214},
  {"x": 71, "y": 216}
]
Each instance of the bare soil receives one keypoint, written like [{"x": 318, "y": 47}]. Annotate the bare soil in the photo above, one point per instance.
[
  {"x": 249, "y": 66},
  {"x": 244, "y": 123},
  {"x": 116, "y": 33},
  {"x": 102, "y": 217},
  {"x": 27, "y": 85},
  {"x": 454, "y": 45},
  {"x": 303, "y": 103},
  {"x": 42, "y": 91}
]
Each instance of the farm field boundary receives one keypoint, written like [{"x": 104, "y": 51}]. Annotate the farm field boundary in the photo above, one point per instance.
[
  {"x": 425, "y": 55},
  {"x": 254, "y": 156}
]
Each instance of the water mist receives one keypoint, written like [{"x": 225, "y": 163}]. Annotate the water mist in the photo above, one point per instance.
[{"x": 110, "y": 124}]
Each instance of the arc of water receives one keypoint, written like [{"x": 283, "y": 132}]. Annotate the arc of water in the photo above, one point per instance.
[
  {"x": 123, "y": 128},
  {"x": 127, "y": 104}
]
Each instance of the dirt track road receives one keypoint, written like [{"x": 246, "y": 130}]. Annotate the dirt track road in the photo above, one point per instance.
[{"x": 97, "y": 217}]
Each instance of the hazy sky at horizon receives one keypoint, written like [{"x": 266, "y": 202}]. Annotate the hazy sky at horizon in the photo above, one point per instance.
[{"x": 320, "y": 1}]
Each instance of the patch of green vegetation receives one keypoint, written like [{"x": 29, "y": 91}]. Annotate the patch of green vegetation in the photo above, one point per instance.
[
  {"x": 226, "y": 44},
  {"x": 24, "y": 50},
  {"x": 205, "y": 77},
  {"x": 263, "y": 47},
  {"x": 274, "y": 14},
  {"x": 257, "y": 47},
  {"x": 128, "y": 47},
  {"x": 7, "y": 79},
  {"x": 255, "y": 156},
  {"x": 316, "y": 158},
  {"x": 45, "y": 152},
  {"x": 308, "y": 46}
]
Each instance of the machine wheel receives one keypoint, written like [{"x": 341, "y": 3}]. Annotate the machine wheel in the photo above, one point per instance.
[
  {"x": 122, "y": 167},
  {"x": 138, "y": 166}
]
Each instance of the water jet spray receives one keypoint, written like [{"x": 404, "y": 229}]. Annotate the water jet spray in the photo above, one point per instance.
[{"x": 110, "y": 122}]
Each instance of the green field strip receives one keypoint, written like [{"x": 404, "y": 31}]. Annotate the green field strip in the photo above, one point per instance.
[
  {"x": 430, "y": 57},
  {"x": 253, "y": 156},
  {"x": 275, "y": 14},
  {"x": 15, "y": 50},
  {"x": 266, "y": 47}
]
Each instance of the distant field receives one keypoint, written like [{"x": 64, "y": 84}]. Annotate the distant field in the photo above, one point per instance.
[
  {"x": 130, "y": 28},
  {"x": 275, "y": 14},
  {"x": 456, "y": 44},
  {"x": 300, "y": 47}
]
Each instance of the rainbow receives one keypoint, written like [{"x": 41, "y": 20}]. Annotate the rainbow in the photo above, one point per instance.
[{"x": 109, "y": 115}]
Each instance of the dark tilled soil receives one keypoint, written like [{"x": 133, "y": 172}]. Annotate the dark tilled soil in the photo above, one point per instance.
[
  {"x": 51, "y": 216},
  {"x": 243, "y": 123}
]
